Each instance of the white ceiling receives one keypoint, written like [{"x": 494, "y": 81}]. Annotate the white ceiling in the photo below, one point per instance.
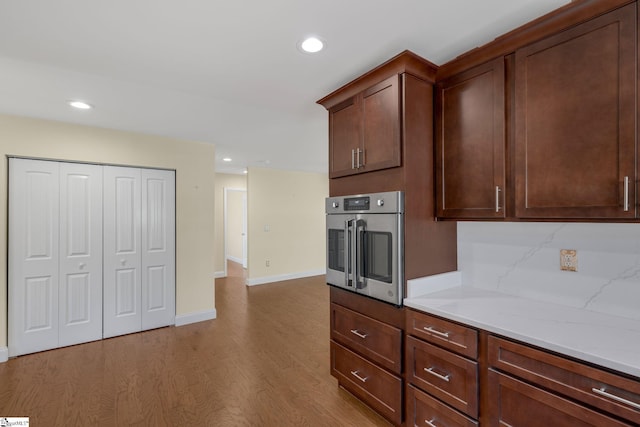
[{"x": 225, "y": 72}]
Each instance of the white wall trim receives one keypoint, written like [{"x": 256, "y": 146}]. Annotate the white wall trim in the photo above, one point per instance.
[
  {"x": 4, "y": 354},
  {"x": 281, "y": 277},
  {"x": 219, "y": 274},
  {"x": 199, "y": 316},
  {"x": 234, "y": 259}
]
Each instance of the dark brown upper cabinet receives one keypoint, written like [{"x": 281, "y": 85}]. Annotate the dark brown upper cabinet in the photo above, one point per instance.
[
  {"x": 575, "y": 121},
  {"x": 364, "y": 130},
  {"x": 470, "y": 143}
]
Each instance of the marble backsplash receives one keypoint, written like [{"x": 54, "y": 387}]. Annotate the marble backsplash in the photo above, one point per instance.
[{"x": 523, "y": 259}]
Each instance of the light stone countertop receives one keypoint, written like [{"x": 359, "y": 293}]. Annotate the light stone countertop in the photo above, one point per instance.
[{"x": 605, "y": 340}]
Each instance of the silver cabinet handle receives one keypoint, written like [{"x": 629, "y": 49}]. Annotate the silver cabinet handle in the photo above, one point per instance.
[
  {"x": 430, "y": 423},
  {"x": 123, "y": 261},
  {"x": 82, "y": 265},
  {"x": 357, "y": 158},
  {"x": 497, "y": 198},
  {"x": 602, "y": 392},
  {"x": 353, "y": 159},
  {"x": 358, "y": 333},
  {"x": 436, "y": 332},
  {"x": 363, "y": 161},
  {"x": 356, "y": 374},
  {"x": 626, "y": 194},
  {"x": 437, "y": 375}
]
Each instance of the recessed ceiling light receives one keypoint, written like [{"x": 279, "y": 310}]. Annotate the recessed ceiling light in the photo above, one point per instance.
[
  {"x": 226, "y": 159},
  {"x": 81, "y": 105},
  {"x": 312, "y": 45},
  {"x": 245, "y": 171}
]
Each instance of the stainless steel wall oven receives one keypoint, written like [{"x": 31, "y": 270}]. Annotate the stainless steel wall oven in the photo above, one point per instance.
[{"x": 365, "y": 244}]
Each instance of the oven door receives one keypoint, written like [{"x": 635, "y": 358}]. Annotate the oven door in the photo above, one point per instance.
[
  {"x": 379, "y": 270},
  {"x": 340, "y": 250}
]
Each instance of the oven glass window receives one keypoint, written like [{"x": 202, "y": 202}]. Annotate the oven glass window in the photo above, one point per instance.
[
  {"x": 378, "y": 256},
  {"x": 335, "y": 250}
]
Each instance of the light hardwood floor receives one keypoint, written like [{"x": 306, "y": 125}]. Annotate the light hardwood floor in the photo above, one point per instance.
[{"x": 263, "y": 362}]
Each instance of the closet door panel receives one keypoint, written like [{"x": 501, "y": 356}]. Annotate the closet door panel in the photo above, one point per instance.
[
  {"x": 33, "y": 255},
  {"x": 158, "y": 248},
  {"x": 80, "y": 253},
  {"x": 122, "y": 251}
]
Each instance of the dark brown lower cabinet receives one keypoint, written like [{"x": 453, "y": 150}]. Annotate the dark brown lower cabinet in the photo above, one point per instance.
[
  {"x": 373, "y": 385},
  {"x": 426, "y": 411},
  {"x": 367, "y": 351},
  {"x": 516, "y": 403},
  {"x": 458, "y": 375}
]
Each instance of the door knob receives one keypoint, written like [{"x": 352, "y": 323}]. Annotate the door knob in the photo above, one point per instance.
[
  {"x": 81, "y": 265},
  {"x": 123, "y": 261}
]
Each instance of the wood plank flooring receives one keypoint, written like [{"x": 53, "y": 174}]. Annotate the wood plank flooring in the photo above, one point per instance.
[{"x": 263, "y": 362}]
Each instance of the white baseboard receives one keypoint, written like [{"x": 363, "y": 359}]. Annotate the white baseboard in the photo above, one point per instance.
[
  {"x": 219, "y": 275},
  {"x": 281, "y": 277},
  {"x": 4, "y": 354},
  {"x": 200, "y": 316},
  {"x": 235, "y": 259}
]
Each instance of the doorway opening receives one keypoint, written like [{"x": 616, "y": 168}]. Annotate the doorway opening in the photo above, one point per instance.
[{"x": 235, "y": 227}]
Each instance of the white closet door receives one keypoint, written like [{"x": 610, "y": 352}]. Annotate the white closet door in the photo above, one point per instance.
[
  {"x": 158, "y": 248},
  {"x": 122, "y": 251},
  {"x": 80, "y": 301},
  {"x": 33, "y": 255}
]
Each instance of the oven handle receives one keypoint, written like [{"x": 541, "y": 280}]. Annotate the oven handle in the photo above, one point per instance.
[
  {"x": 347, "y": 252},
  {"x": 359, "y": 258}
]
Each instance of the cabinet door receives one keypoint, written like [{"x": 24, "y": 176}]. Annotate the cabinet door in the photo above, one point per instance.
[
  {"x": 33, "y": 255},
  {"x": 470, "y": 148},
  {"x": 509, "y": 396},
  {"x": 575, "y": 121},
  {"x": 345, "y": 137},
  {"x": 381, "y": 126},
  {"x": 80, "y": 301},
  {"x": 122, "y": 251},
  {"x": 158, "y": 248}
]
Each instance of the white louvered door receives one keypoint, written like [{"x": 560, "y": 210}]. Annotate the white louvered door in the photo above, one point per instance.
[
  {"x": 33, "y": 255},
  {"x": 122, "y": 251}
]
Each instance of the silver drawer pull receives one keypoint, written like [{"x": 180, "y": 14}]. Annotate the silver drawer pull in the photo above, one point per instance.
[
  {"x": 436, "y": 332},
  {"x": 435, "y": 374},
  {"x": 430, "y": 423},
  {"x": 358, "y": 333},
  {"x": 626, "y": 194},
  {"x": 355, "y": 374},
  {"x": 602, "y": 392}
]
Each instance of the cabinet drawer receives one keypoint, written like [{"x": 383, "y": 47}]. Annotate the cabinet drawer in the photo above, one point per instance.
[
  {"x": 515, "y": 403},
  {"x": 373, "y": 339},
  {"x": 373, "y": 385},
  {"x": 447, "y": 376},
  {"x": 455, "y": 337},
  {"x": 425, "y": 411},
  {"x": 609, "y": 392}
]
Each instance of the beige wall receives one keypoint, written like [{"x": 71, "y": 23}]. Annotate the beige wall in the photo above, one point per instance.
[
  {"x": 224, "y": 180},
  {"x": 195, "y": 178},
  {"x": 291, "y": 204}
]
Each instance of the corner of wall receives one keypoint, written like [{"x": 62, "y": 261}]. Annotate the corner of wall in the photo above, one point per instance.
[{"x": 4, "y": 354}]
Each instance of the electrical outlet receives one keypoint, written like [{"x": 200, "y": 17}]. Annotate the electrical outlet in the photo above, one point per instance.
[
  {"x": 267, "y": 263},
  {"x": 568, "y": 260}
]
